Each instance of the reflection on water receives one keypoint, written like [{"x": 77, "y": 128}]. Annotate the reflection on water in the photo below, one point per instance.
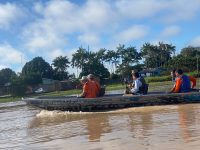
[{"x": 158, "y": 127}]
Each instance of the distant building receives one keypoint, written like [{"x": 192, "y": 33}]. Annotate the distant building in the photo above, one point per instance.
[
  {"x": 152, "y": 72},
  {"x": 48, "y": 81}
]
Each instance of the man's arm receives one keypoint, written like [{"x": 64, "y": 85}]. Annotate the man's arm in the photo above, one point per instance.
[
  {"x": 178, "y": 85},
  {"x": 85, "y": 89},
  {"x": 194, "y": 81}
]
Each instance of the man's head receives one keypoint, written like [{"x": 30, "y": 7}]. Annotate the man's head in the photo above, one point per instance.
[
  {"x": 173, "y": 72},
  {"x": 84, "y": 79},
  {"x": 91, "y": 77},
  {"x": 179, "y": 72},
  {"x": 135, "y": 75}
]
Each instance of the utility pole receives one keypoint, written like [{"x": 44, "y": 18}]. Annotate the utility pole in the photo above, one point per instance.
[
  {"x": 197, "y": 66},
  {"x": 21, "y": 61},
  {"x": 88, "y": 48}
]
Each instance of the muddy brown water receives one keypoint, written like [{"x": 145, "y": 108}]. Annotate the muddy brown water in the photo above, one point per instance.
[{"x": 149, "y": 128}]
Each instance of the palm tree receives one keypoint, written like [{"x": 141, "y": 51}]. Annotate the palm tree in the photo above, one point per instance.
[
  {"x": 101, "y": 55},
  {"x": 79, "y": 58},
  {"x": 61, "y": 63}
]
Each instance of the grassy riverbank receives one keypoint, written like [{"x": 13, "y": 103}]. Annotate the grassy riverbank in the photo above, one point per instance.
[
  {"x": 9, "y": 99},
  {"x": 153, "y": 86}
]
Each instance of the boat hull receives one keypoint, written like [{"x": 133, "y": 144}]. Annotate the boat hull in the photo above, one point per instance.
[{"x": 111, "y": 101}]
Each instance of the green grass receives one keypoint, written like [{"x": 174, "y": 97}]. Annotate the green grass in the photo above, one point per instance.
[
  {"x": 60, "y": 93},
  {"x": 9, "y": 99}
]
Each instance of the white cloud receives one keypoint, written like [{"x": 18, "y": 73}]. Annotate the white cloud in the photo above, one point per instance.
[
  {"x": 57, "y": 25},
  {"x": 9, "y": 13},
  {"x": 38, "y": 7},
  {"x": 139, "y": 8},
  {"x": 10, "y": 56},
  {"x": 60, "y": 19},
  {"x": 89, "y": 38},
  {"x": 3, "y": 66},
  {"x": 55, "y": 53},
  {"x": 171, "y": 31},
  {"x": 133, "y": 33},
  {"x": 181, "y": 10},
  {"x": 166, "y": 11},
  {"x": 195, "y": 41}
]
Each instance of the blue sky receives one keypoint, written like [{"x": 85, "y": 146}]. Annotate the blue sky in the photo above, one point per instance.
[{"x": 50, "y": 28}]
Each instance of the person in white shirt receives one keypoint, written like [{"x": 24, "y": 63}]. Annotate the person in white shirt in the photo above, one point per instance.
[{"x": 137, "y": 83}]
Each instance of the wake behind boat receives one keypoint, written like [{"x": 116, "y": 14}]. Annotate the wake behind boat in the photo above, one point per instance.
[{"x": 115, "y": 101}]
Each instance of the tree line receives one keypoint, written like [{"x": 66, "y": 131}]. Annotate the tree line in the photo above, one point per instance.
[{"x": 104, "y": 63}]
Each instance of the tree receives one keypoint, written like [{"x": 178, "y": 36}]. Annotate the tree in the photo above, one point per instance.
[
  {"x": 6, "y": 75},
  {"x": 36, "y": 69},
  {"x": 18, "y": 86},
  {"x": 129, "y": 57},
  {"x": 101, "y": 55},
  {"x": 90, "y": 62},
  {"x": 157, "y": 55},
  {"x": 95, "y": 68},
  {"x": 190, "y": 51},
  {"x": 61, "y": 63},
  {"x": 113, "y": 58},
  {"x": 60, "y": 68},
  {"x": 79, "y": 58}
]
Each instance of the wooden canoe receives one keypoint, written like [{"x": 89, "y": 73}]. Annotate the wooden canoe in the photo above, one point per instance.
[{"x": 72, "y": 103}]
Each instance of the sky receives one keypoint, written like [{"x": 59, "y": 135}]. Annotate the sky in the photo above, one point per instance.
[{"x": 50, "y": 28}]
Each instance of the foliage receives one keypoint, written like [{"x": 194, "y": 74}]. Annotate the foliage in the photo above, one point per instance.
[
  {"x": 158, "y": 79},
  {"x": 124, "y": 71},
  {"x": 120, "y": 61},
  {"x": 18, "y": 86},
  {"x": 6, "y": 76},
  {"x": 38, "y": 66},
  {"x": 60, "y": 64},
  {"x": 129, "y": 56},
  {"x": 114, "y": 76},
  {"x": 90, "y": 62},
  {"x": 31, "y": 79},
  {"x": 187, "y": 63},
  {"x": 190, "y": 51},
  {"x": 95, "y": 68},
  {"x": 36, "y": 69},
  {"x": 79, "y": 58},
  {"x": 193, "y": 74},
  {"x": 157, "y": 55}
]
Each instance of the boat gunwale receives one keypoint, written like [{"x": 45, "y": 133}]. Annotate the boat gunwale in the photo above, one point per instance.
[{"x": 153, "y": 94}]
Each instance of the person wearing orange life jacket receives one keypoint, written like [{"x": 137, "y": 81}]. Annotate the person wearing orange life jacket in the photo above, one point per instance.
[
  {"x": 91, "y": 78},
  {"x": 101, "y": 89},
  {"x": 89, "y": 88},
  {"x": 182, "y": 82}
]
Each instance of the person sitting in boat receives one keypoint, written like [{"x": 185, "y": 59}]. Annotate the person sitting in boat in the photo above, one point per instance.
[
  {"x": 182, "y": 82},
  {"x": 173, "y": 75},
  {"x": 139, "y": 85},
  {"x": 90, "y": 89},
  {"x": 101, "y": 89}
]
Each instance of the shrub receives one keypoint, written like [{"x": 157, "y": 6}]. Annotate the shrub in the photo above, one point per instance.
[
  {"x": 194, "y": 74},
  {"x": 158, "y": 79}
]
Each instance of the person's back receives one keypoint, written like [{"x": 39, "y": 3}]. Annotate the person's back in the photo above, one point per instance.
[
  {"x": 144, "y": 88},
  {"x": 182, "y": 83},
  {"x": 100, "y": 90},
  {"x": 90, "y": 89},
  {"x": 185, "y": 86}
]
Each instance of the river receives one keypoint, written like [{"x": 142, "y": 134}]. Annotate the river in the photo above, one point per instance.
[{"x": 174, "y": 127}]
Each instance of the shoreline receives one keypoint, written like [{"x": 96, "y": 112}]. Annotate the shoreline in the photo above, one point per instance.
[{"x": 153, "y": 86}]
